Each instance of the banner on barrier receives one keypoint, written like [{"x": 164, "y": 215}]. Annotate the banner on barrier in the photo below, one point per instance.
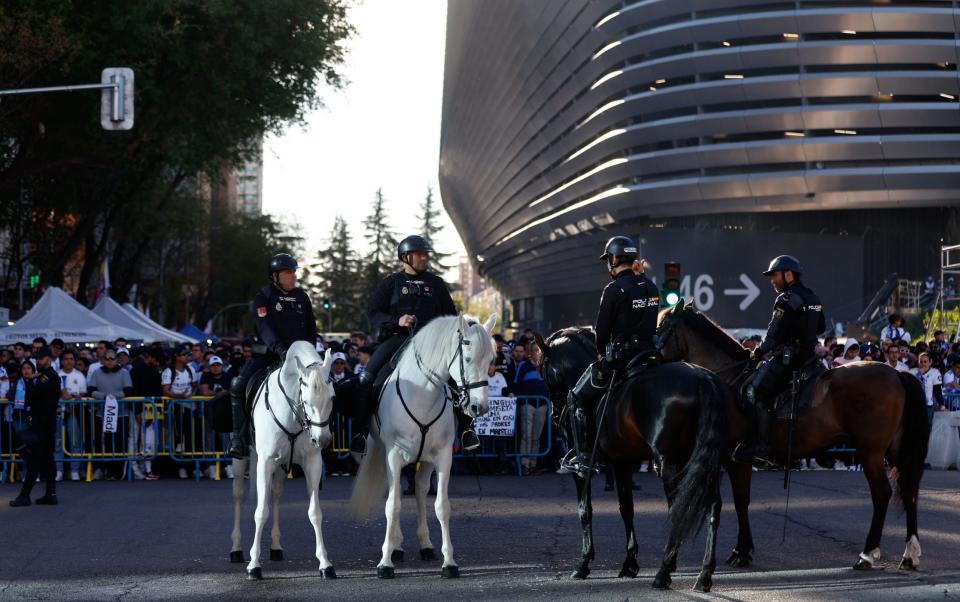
[
  {"x": 110, "y": 412},
  {"x": 500, "y": 421}
]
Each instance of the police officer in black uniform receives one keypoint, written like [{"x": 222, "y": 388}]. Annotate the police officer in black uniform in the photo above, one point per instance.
[
  {"x": 36, "y": 441},
  {"x": 792, "y": 337},
  {"x": 626, "y": 327},
  {"x": 402, "y": 304},
  {"x": 283, "y": 314}
]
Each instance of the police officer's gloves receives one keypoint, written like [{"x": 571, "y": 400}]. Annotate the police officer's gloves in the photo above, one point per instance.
[{"x": 757, "y": 355}]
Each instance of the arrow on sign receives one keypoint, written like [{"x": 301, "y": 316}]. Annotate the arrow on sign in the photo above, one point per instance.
[{"x": 750, "y": 292}]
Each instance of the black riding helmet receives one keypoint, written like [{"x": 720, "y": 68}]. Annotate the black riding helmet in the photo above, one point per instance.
[
  {"x": 411, "y": 244},
  {"x": 280, "y": 262},
  {"x": 619, "y": 247},
  {"x": 783, "y": 263}
]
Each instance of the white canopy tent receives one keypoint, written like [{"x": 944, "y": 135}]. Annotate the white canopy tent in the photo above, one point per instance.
[
  {"x": 57, "y": 315},
  {"x": 113, "y": 312},
  {"x": 143, "y": 319}
]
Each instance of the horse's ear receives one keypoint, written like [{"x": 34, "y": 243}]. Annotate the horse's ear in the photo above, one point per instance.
[
  {"x": 544, "y": 348},
  {"x": 678, "y": 307},
  {"x": 326, "y": 357},
  {"x": 491, "y": 322}
]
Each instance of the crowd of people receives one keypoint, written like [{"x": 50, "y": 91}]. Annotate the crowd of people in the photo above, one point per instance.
[{"x": 121, "y": 370}]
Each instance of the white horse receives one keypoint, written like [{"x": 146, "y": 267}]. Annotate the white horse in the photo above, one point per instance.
[
  {"x": 294, "y": 400},
  {"x": 445, "y": 363}
]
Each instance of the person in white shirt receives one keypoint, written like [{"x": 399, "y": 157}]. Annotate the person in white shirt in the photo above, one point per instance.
[
  {"x": 894, "y": 330},
  {"x": 73, "y": 385},
  {"x": 931, "y": 381},
  {"x": 496, "y": 382},
  {"x": 893, "y": 359},
  {"x": 951, "y": 383},
  {"x": 178, "y": 383}
]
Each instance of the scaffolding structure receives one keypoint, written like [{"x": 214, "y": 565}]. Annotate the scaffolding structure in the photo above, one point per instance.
[{"x": 949, "y": 266}]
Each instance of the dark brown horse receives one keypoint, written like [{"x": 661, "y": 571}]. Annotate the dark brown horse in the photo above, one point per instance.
[
  {"x": 675, "y": 414},
  {"x": 880, "y": 411}
]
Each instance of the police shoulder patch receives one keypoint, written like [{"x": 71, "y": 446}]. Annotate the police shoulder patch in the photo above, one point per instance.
[{"x": 262, "y": 312}]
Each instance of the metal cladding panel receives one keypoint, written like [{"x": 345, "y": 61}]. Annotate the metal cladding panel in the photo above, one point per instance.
[{"x": 614, "y": 116}]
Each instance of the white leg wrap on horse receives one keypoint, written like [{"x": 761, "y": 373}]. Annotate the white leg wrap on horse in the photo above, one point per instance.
[{"x": 913, "y": 551}]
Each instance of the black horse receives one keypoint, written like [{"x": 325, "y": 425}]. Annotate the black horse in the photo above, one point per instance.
[{"x": 674, "y": 414}]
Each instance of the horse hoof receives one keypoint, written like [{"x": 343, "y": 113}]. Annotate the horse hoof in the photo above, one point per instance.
[
  {"x": 276, "y": 555},
  {"x": 580, "y": 573},
  {"x": 450, "y": 572},
  {"x": 236, "y": 556},
  {"x": 254, "y": 574},
  {"x": 703, "y": 584},
  {"x": 428, "y": 554},
  {"x": 396, "y": 556},
  {"x": 862, "y": 565},
  {"x": 661, "y": 582},
  {"x": 328, "y": 573},
  {"x": 907, "y": 565},
  {"x": 629, "y": 570},
  {"x": 739, "y": 559},
  {"x": 385, "y": 572}
]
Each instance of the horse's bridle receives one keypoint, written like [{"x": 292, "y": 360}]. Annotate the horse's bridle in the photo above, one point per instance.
[
  {"x": 460, "y": 391},
  {"x": 299, "y": 408}
]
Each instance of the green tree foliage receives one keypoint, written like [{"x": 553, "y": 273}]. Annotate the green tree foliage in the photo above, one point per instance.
[
  {"x": 211, "y": 79},
  {"x": 336, "y": 279},
  {"x": 430, "y": 227},
  {"x": 381, "y": 259}
]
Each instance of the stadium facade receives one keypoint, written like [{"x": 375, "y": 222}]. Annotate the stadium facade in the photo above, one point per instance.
[{"x": 720, "y": 133}]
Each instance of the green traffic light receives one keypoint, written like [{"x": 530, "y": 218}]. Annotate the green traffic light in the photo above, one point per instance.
[{"x": 672, "y": 298}]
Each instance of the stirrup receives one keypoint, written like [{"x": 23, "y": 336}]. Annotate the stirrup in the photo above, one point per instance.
[
  {"x": 237, "y": 449},
  {"x": 469, "y": 440},
  {"x": 579, "y": 464},
  {"x": 358, "y": 445}
]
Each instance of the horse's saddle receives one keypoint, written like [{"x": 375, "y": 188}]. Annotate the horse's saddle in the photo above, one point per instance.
[
  {"x": 256, "y": 379},
  {"x": 808, "y": 376},
  {"x": 641, "y": 362}
]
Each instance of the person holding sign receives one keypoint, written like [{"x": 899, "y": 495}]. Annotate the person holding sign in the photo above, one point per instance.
[
  {"x": 37, "y": 439},
  {"x": 110, "y": 380}
]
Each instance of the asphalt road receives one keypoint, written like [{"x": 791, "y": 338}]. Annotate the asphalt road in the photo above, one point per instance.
[{"x": 518, "y": 540}]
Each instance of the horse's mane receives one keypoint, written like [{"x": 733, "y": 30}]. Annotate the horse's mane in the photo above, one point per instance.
[
  {"x": 561, "y": 365},
  {"x": 433, "y": 342},
  {"x": 583, "y": 335},
  {"x": 299, "y": 349},
  {"x": 713, "y": 332}
]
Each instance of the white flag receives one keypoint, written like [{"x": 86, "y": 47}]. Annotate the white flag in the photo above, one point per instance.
[{"x": 110, "y": 411}]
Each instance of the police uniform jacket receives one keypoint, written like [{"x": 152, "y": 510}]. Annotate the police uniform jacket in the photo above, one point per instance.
[
  {"x": 42, "y": 400},
  {"x": 283, "y": 317},
  {"x": 796, "y": 322},
  {"x": 424, "y": 296},
  {"x": 628, "y": 311}
]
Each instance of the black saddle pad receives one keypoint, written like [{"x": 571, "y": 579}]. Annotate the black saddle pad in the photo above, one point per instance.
[
  {"x": 641, "y": 362},
  {"x": 254, "y": 383},
  {"x": 810, "y": 374}
]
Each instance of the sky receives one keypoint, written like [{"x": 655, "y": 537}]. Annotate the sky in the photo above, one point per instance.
[{"x": 381, "y": 130}]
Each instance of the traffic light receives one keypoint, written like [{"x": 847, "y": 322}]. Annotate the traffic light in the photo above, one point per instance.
[
  {"x": 34, "y": 280},
  {"x": 671, "y": 283},
  {"x": 326, "y": 303}
]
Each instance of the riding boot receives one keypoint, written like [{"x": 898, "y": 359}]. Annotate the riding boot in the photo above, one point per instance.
[
  {"x": 24, "y": 498},
  {"x": 580, "y": 403},
  {"x": 239, "y": 441},
  {"x": 362, "y": 411},
  {"x": 468, "y": 438},
  {"x": 762, "y": 455}
]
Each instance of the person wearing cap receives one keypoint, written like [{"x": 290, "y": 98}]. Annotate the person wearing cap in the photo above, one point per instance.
[
  {"x": 282, "y": 314},
  {"x": 42, "y": 397},
  {"x": 123, "y": 358},
  {"x": 626, "y": 328},
  {"x": 111, "y": 379},
  {"x": 340, "y": 368},
  {"x": 403, "y": 303},
  {"x": 792, "y": 339}
]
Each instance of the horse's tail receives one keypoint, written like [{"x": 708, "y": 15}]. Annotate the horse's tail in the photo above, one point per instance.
[
  {"x": 371, "y": 482},
  {"x": 699, "y": 481},
  {"x": 914, "y": 438}
]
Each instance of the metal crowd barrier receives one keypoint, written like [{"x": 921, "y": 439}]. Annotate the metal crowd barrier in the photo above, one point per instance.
[{"x": 533, "y": 416}]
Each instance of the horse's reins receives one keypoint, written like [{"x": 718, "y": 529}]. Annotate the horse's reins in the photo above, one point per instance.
[
  {"x": 461, "y": 392},
  {"x": 299, "y": 414}
]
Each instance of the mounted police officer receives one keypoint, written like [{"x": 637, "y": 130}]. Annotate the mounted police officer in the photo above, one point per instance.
[
  {"x": 36, "y": 441},
  {"x": 283, "y": 314},
  {"x": 792, "y": 337},
  {"x": 402, "y": 304},
  {"x": 626, "y": 327}
]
